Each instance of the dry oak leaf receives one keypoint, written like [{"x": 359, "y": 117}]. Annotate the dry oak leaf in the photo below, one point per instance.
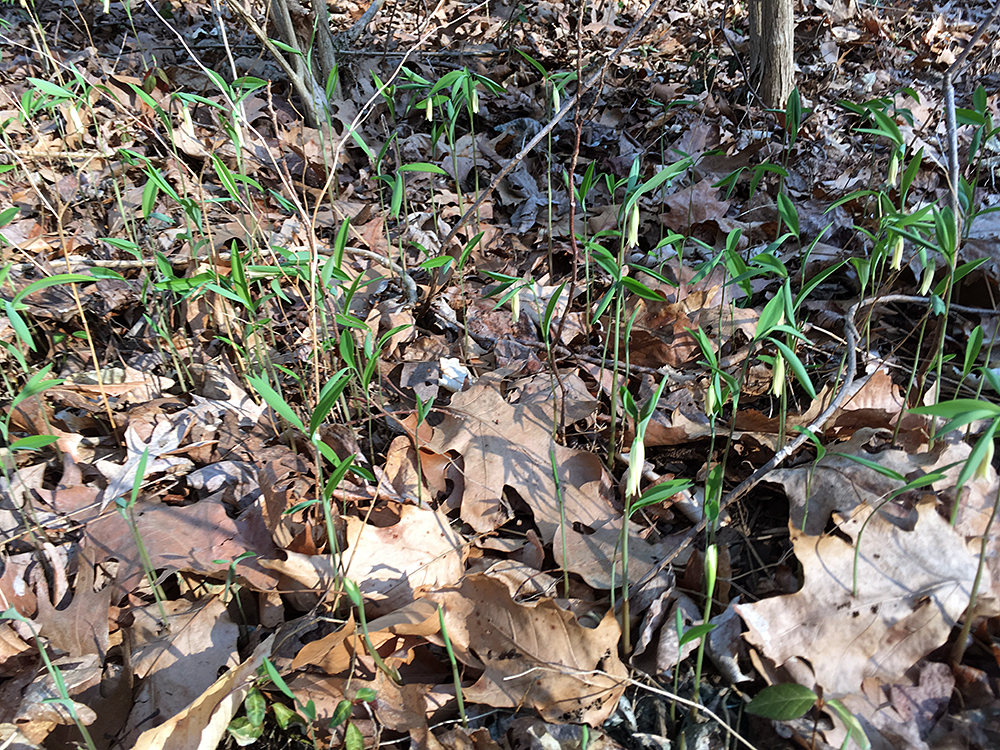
[
  {"x": 82, "y": 627},
  {"x": 202, "y": 725},
  {"x": 386, "y": 562},
  {"x": 912, "y": 587},
  {"x": 176, "y": 666},
  {"x": 537, "y": 655},
  {"x": 190, "y": 538},
  {"x": 508, "y": 445}
]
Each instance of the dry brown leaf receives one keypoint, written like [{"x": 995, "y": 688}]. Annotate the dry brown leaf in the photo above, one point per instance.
[
  {"x": 694, "y": 205},
  {"x": 508, "y": 445},
  {"x": 82, "y": 627},
  {"x": 38, "y": 705},
  {"x": 538, "y": 656},
  {"x": 590, "y": 555},
  {"x": 202, "y": 725},
  {"x": 179, "y": 664},
  {"x": 386, "y": 562},
  {"x": 190, "y": 539},
  {"x": 389, "y": 562},
  {"x": 334, "y": 652},
  {"x": 912, "y": 588}
]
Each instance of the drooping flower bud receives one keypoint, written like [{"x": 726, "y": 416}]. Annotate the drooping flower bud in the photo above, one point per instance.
[
  {"x": 983, "y": 470},
  {"x": 897, "y": 252},
  {"x": 925, "y": 284},
  {"x": 778, "y": 376},
  {"x": 893, "y": 168},
  {"x": 636, "y": 461},
  {"x": 632, "y": 233}
]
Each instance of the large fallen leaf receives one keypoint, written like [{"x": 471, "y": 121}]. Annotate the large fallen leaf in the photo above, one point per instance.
[
  {"x": 82, "y": 627},
  {"x": 202, "y": 725},
  {"x": 386, "y": 562},
  {"x": 337, "y": 651},
  {"x": 537, "y": 656},
  {"x": 179, "y": 664},
  {"x": 198, "y": 538},
  {"x": 509, "y": 445},
  {"x": 912, "y": 588}
]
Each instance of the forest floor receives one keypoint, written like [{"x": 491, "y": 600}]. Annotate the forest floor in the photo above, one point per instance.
[{"x": 678, "y": 435}]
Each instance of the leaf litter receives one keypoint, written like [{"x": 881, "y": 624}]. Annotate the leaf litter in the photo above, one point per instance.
[{"x": 485, "y": 511}]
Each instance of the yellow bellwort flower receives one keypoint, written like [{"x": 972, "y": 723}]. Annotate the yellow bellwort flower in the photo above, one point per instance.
[
  {"x": 632, "y": 230},
  {"x": 636, "y": 460},
  {"x": 925, "y": 284},
  {"x": 710, "y": 400},
  {"x": 430, "y": 110},
  {"x": 515, "y": 306},
  {"x": 983, "y": 470},
  {"x": 897, "y": 252},
  {"x": 893, "y": 168},
  {"x": 778, "y": 377}
]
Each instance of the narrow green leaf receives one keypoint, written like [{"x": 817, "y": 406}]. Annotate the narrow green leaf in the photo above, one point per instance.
[
  {"x": 782, "y": 702},
  {"x": 19, "y": 325},
  {"x": 58, "y": 279},
  {"x": 272, "y": 672},
  {"x": 275, "y": 401},
  {"x": 797, "y": 367},
  {"x": 423, "y": 167},
  {"x": 33, "y": 442}
]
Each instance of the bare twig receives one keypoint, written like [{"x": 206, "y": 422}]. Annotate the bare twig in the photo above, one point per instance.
[{"x": 948, "y": 88}]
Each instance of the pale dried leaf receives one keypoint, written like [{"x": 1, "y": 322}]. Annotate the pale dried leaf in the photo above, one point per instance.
[
  {"x": 538, "y": 656},
  {"x": 508, "y": 446},
  {"x": 912, "y": 588}
]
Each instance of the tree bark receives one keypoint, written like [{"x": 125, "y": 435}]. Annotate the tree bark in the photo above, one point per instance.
[{"x": 772, "y": 29}]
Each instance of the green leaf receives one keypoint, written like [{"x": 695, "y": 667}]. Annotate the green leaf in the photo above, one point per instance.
[
  {"x": 696, "y": 632},
  {"x": 19, "y": 325},
  {"x": 51, "y": 89},
  {"x": 33, "y": 442},
  {"x": 960, "y": 407},
  {"x": 8, "y": 214},
  {"x": 59, "y": 278},
  {"x": 660, "y": 492},
  {"x": 35, "y": 385},
  {"x": 327, "y": 398},
  {"x": 243, "y": 731},
  {"x": 285, "y": 47},
  {"x": 797, "y": 367},
  {"x": 770, "y": 316},
  {"x": 786, "y": 209},
  {"x": 255, "y": 706},
  {"x": 286, "y": 716},
  {"x": 365, "y": 695},
  {"x": 341, "y": 713},
  {"x": 856, "y": 730},
  {"x": 423, "y": 167},
  {"x": 276, "y": 678},
  {"x": 782, "y": 702},
  {"x": 876, "y": 467},
  {"x": 276, "y": 402},
  {"x": 353, "y": 739}
]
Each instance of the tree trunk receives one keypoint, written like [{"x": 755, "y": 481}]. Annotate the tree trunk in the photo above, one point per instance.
[{"x": 772, "y": 29}]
